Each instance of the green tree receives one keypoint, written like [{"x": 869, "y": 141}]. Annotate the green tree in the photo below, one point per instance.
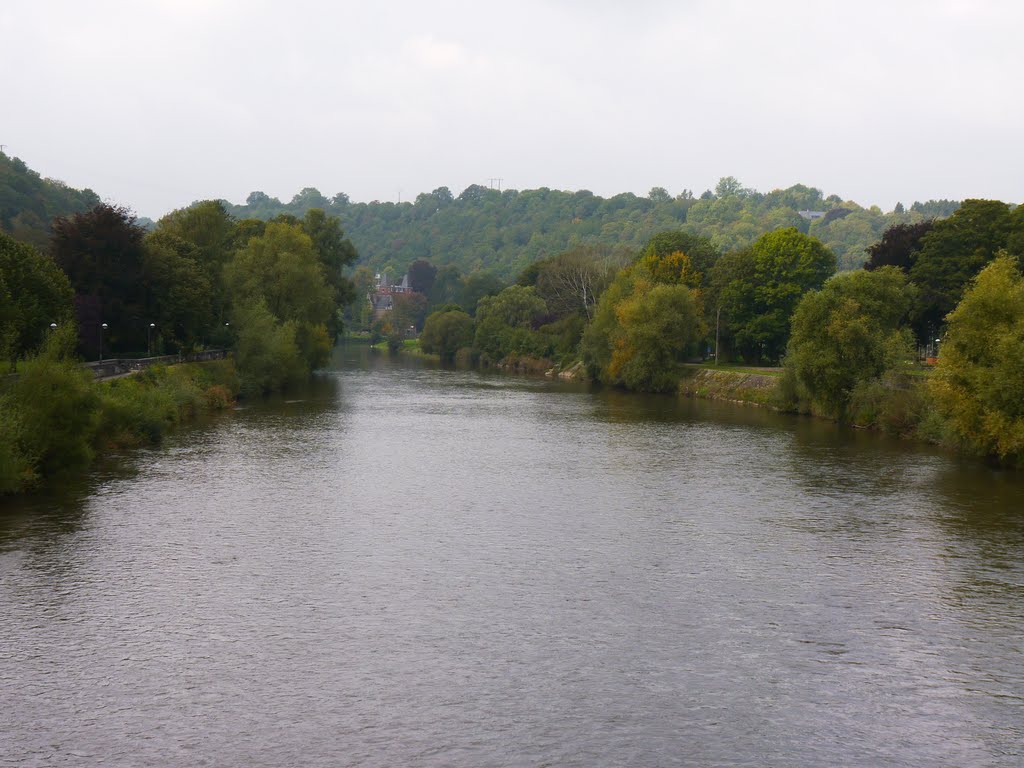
[
  {"x": 505, "y": 323},
  {"x": 282, "y": 268},
  {"x": 850, "y": 332},
  {"x": 700, "y": 250},
  {"x": 657, "y": 325},
  {"x": 758, "y": 289},
  {"x": 335, "y": 252},
  {"x": 34, "y": 292},
  {"x": 55, "y": 409},
  {"x": 267, "y": 353},
  {"x": 952, "y": 253},
  {"x": 979, "y": 382},
  {"x": 445, "y": 333},
  {"x": 179, "y": 297},
  {"x": 421, "y": 276}
]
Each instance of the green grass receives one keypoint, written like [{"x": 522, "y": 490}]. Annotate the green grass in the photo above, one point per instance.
[{"x": 730, "y": 368}]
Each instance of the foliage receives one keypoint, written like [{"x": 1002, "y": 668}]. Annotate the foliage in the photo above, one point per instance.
[
  {"x": 641, "y": 331},
  {"x": 267, "y": 354},
  {"x": 952, "y": 253},
  {"x": 445, "y": 333},
  {"x": 898, "y": 246},
  {"x": 421, "y": 276},
  {"x": 505, "y": 231},
  {"x": 281, "y": 268},
  {"x": 655, "y": 327},
  {"x": 979, "y": 382},
  {"x": 179, "y": 296},
  {"x": 29, "y": 203},
  {"x": 56, "y": 409},
  {"x": 34, "y": 293},
  {"x": 572, "y": 282},
  {"x": 848, "y": 333},
  {"x": 102, "y": 253},
  {"x": 505, "y": 324},
  {"x": 700, "y": 252},
  {"x": 758, "y": 288}
]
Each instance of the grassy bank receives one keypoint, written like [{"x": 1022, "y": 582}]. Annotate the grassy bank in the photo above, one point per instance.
[
  {"x": 54, "y": 419},
  {"x": 736, "y": 385}
]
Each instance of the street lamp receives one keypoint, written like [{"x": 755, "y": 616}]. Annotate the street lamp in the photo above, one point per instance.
[
  {"x": 149, "y": 338},
  {"x": 103, "y": 327}
]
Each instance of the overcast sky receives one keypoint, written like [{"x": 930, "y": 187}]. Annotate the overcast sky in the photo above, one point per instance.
[{"x": 154, "y": 104}]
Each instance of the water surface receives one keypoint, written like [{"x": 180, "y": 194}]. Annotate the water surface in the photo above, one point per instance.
[{"x": 410, "y": 566}]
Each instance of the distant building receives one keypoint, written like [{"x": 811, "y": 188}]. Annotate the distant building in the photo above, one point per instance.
[
  {"x": 380, "y": 298},
  {"x": 812, "y": 215}
]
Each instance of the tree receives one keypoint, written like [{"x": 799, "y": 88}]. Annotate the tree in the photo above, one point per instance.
[
  {"x": 280, "y": 271},
  {"x": 34, "y": 292},
  {"x": 421, "y": 276},
  {"x": 573, "y": 281},
  {"x": 475, "y": 287},
  {"x": 979, "y": 381},
  {"x": 102, "y": 253},
  {"x": 758, "y": 289},
  {"x": 659, "y": 195},
  {"x": 335, "y": 253},
  {"x": 656, "y": 325},
  {"x": 56, "y": 410},
  {"x": 267, "y": 355},
  {"x": 700, "y": 250},
  {"x": 282, "y": 268},
  {"x": 445, "y": 333},
  {"x": 505, "y": 323},
  {"x": 899, "y": 246},
  {"x": 952, "y": 253},
  {"x": 850, "y": 332},
  {"x": 179, "y": 297},
  {"x": 641, "y": 331}
]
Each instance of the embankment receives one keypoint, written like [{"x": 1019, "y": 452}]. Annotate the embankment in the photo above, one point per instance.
[{"x": 733, "y": 386}]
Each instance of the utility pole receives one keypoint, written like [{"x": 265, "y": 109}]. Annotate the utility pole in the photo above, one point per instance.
[{"x": 499, "y": 183}]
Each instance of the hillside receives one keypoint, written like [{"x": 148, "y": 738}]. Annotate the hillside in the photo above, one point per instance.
[
  {"x": 29, "y": 203},
  {"x": 484, "y": 229}
]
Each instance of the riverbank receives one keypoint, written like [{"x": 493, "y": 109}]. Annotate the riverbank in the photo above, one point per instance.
[
  {"x": 55, "y": 418},
  {"x": 742, "y": 386}
]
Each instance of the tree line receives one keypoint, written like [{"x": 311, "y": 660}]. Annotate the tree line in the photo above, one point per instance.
[
  {"x": 848, "y": 341},
  {"x": 502, "y": 232},
  {"x": 273, "y": 291}
]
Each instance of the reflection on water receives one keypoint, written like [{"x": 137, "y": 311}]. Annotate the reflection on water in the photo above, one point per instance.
[{"x": 409, "y": 565}]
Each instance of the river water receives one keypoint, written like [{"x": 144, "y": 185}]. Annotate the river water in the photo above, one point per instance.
[{"x": 411, "y": 566}]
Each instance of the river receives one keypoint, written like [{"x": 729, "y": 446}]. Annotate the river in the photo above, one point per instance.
[{"x": 406, "y": 566}]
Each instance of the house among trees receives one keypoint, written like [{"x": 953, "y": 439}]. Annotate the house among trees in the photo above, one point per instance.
[
  {"x": 380, "y": 298},
  {"x": 812, "y": 215}
]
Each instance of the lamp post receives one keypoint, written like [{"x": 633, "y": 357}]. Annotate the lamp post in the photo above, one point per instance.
[
  {"x": 149, "y": 338},
  {"x": 103, "y": 327}
]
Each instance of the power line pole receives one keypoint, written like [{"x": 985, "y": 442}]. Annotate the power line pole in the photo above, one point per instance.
[{"x": 499, "y": 183}]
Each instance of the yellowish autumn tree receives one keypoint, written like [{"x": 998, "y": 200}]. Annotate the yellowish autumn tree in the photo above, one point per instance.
[{"x": 979, "y": 383}]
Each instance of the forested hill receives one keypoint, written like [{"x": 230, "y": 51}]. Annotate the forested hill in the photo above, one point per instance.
[
  {"x": 484, "y": 229},
  {"x": 29, "y": 203}
]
